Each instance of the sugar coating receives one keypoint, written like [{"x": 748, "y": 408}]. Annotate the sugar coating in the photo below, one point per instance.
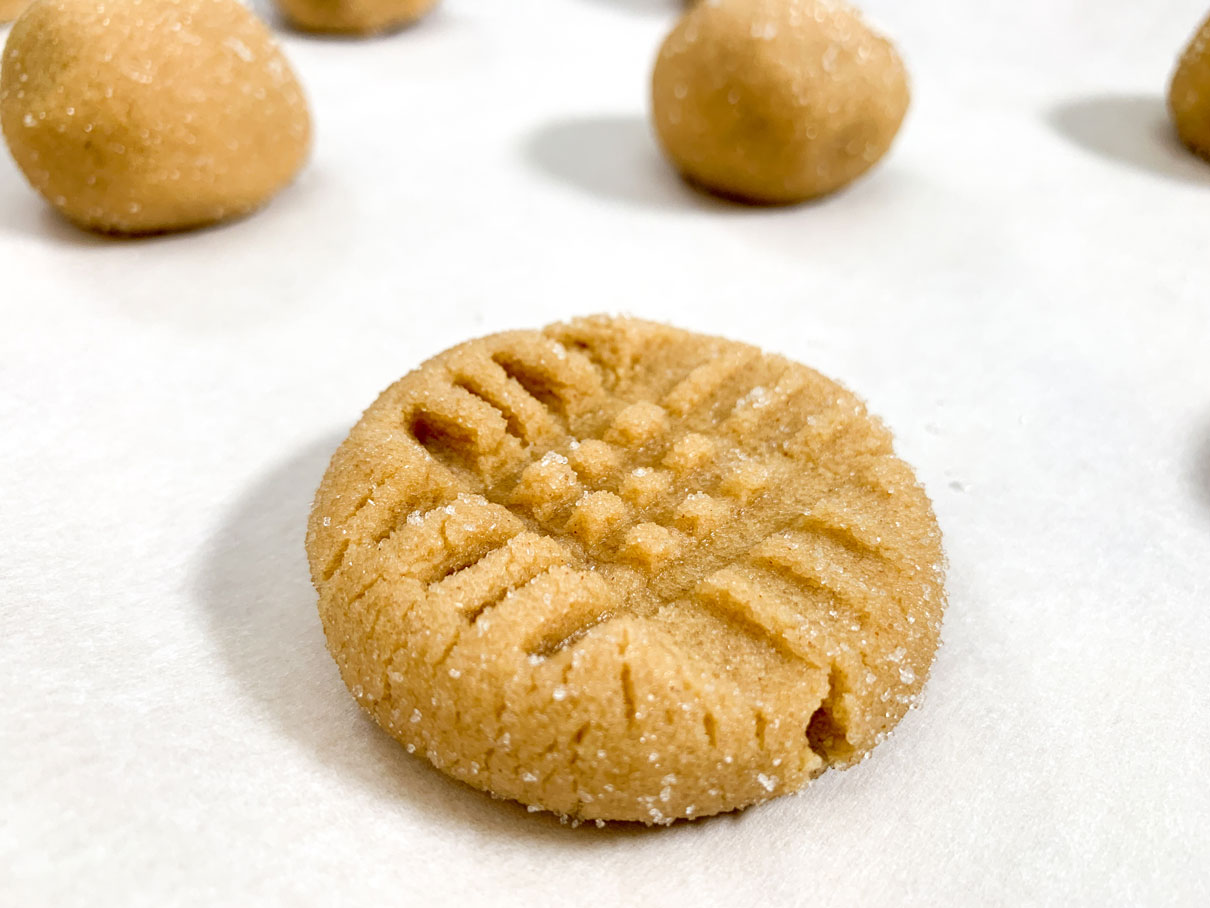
[
  {"x": 353, "y": 16},
  {"x": 766, "y": 604},
  {"x": 1189, "y": 93},
  {"x": 142, "y": 116},
  {"x": 776, "y": 101}
]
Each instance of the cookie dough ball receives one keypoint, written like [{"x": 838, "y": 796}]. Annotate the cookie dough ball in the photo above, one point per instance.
[
  {"x": 776, "y": 101},
  {"x": 11, "y": 9},
  {"x": 1189, "y": 95},
  {"x": 142, "y": 117},
  {"x": 354, "y": 16}
]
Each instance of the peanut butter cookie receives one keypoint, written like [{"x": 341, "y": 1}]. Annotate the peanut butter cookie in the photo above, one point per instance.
[
  {"x": 776, "y": 101},
  {"x": 353, "y": 16},
  {"x": 1189, "y": 94},
  {"x": 144, "y": 116},
  {"x": 620, "y": 571}
]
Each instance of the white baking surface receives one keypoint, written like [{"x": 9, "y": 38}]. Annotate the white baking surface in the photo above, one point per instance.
[{"x": 1022, "y": 290}]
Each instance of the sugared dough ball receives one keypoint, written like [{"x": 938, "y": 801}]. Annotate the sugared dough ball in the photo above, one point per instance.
[
  {"x": 776, "y": 101},
  {"x": 358, "y": 16},
  {"x": 1189, "y": 96},
  {"x": 11, "y": 9},
  {"x": 142, "y": 117}
]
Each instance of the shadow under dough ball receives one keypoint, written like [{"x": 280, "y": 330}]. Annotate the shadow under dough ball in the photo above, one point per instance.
[
  {"x": 776, "y": 101},
  {"x": 353, "y": 16},
  {"x": 1189, "y": 94},
  {"x": 145, "y": 117}
]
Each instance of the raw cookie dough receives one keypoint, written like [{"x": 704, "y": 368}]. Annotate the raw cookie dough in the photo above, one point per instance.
[
  {"x": 1189, "y": 95},
  {"x": 141, "y": 117},
  {"x": 776, "y": 101},
  {"x": 356, "y": 16},
  {"x": 620, "y": 571}
]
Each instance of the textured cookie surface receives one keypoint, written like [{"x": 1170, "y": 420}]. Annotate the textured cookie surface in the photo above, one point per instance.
[
  {"x": 776, "y": 101},
  {"x": 1189, "y": 94},
  {"x": 142, "y": 116},
  {"x": 621, "y": 571}
]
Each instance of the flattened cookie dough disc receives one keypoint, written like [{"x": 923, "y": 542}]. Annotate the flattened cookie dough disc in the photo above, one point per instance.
[
  {"x": 144, "y": 116},
  {"x": 776, "y": 101},
  {"x": 1189, "y": 94},
  {"x": 353, "y": 16},
  {"x": 620, "y": 571}
]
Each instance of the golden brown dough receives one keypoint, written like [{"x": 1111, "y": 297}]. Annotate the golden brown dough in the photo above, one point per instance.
[
  {"x": 1189, "y": 94},
  {"x": 776, "y": 101},
  {"x": 140, "y": 117},
  {"x": 355, "y": 16},
  {"x": 11, "y": 9},
  {"x": 617, "y": 570}
]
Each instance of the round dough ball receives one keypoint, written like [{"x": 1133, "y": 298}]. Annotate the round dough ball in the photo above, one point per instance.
[
  {"x": 776, "y": 101},
  {"x": 1189, "y": 95},
  {"x": 11, "y": 9},
  {"x": 355, "y": 16},
  {"x": 143, "y": 117}
]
